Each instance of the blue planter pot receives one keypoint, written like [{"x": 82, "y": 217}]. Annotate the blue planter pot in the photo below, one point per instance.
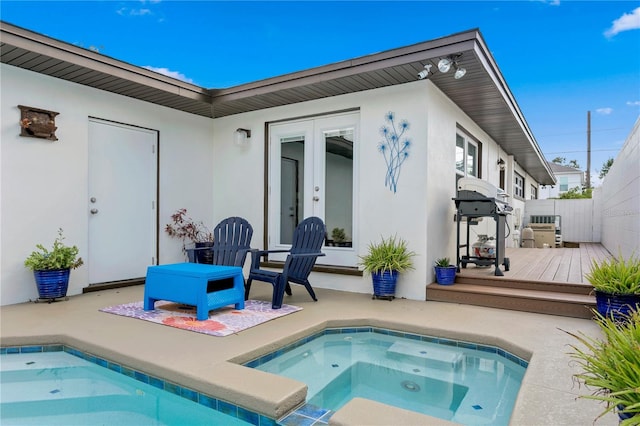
[
  {"x": 446, "y": 275},
  {"x": 204, "y": 256},
  {"x": 618, "y": 306},
  {"x": 52, "y": 283},
  {"x": 384, "y": 283}
]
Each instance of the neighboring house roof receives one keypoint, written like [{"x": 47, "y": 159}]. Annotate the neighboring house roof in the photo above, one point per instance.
[
  {"x": 559, "y": 168},
  {"x": 482, "y": 94}
]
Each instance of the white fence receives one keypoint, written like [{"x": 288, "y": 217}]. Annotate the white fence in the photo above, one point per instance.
[
  {"x": 580, "y": 219},
  {"x": 612, "y": 216}
]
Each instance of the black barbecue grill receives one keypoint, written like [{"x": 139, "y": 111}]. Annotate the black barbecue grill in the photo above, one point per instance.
[{"x": 471, "y": 205}]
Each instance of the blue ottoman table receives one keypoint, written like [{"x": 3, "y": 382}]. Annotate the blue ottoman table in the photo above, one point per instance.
[{"x": 205, "y": 286}]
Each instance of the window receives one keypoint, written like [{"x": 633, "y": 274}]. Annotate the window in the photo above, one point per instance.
[
  {"x": 518, "y": 185},
  {"x": 467, "y": 153},
  {"x": 564, "y": 184},
  {"x": 534, "y": 192}
]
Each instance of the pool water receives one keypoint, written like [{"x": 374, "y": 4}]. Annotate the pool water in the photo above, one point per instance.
[
  {"x": 57, "y": 388},
  {"x": 456, "y": 381}
]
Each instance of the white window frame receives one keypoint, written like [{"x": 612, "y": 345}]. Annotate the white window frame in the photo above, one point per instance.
[
  {"x": 518, "y": 185},
  {"x": 467, "y": 142},
  {"x": 534, "y": 192}
]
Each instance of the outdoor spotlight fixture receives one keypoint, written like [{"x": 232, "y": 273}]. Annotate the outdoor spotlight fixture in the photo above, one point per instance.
[
  {"x": 445, "y": 64},
  {"x": 460, "y": 72},
  {"x": 501, "y": 164},
  {"x": 242, "y": 136},
  {"x": 425, "y": 72}
]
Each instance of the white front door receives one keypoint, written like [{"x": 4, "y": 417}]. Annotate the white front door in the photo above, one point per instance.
[
  {"x": 311, "y": 173},
  {"x": 122, "y": 201}
]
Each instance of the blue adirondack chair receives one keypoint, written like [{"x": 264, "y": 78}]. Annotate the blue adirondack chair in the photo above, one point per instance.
[
  {"x": 308, "y": 238},
  {"x": 231, "y": 243}
]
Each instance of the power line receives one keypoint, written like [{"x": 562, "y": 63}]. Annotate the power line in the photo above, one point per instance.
[
  {"x": 581, "y": 132},
  {"x": 573, "y": 152}
]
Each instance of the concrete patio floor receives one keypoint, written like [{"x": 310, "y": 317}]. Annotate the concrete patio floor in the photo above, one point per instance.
[{"x": 548, "y": 395}]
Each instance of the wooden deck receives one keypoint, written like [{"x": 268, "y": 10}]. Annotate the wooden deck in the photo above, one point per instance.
[
  {"x": 553, "y": 265},
  {"x": 549, "y": 281}
]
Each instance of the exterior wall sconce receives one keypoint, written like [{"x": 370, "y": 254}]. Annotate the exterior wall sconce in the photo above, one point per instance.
[
  {"x": 501, "y": 164},
  {"x": 241, "y": 137}
]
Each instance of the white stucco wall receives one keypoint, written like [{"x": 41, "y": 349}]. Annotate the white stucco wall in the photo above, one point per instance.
[
  {"x": 421, "y": 211},
  {"x": 44, "y": 184},
  {"x": 621, "y": 199}
]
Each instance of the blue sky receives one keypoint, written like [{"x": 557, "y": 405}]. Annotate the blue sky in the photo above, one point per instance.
[{"x": 560, "y": 58}]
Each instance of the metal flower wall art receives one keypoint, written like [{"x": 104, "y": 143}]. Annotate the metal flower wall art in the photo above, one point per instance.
[{"x": 394, "y": 148}]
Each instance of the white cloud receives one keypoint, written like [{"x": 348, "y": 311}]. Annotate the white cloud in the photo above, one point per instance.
[
  {"x": 125, "y": 11},
  {"x": 169, "y": 73},
  {"x": 628, "y": 21},
  {"x": 604, "y": 111},
  {"x": 633, "y": 103}
]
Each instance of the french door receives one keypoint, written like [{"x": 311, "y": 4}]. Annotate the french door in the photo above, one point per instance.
[{"x": 311, "y": 173}]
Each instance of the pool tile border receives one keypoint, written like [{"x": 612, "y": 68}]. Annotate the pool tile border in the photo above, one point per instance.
[
  {"x": 419, "y": 337},
  {"x": 185, "y": 392}
]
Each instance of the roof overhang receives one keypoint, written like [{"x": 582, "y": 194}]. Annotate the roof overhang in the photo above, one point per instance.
[{"x": 482, "y": 94}]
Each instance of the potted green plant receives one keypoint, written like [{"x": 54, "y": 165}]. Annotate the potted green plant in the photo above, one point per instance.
[
  {"x": 193, "y": 232},
  {"x": 384, "y": 261},
  {"x": 338, "y": 237},
  {"x": 445, "y": 271},
  {"x": 611, "y": 365},
  {"x": 51, "y": 268},
  {"x": 616, "y": 284}
]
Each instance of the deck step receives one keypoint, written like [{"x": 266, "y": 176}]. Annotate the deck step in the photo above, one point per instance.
[
  {"x": 531, "y": 296},
  {"x": 506, "y": 282}
]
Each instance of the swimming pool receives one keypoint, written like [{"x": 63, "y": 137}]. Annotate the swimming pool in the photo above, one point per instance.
[
  {"x": 58, "y": 388},
  {"x": 458, "y": 381}
]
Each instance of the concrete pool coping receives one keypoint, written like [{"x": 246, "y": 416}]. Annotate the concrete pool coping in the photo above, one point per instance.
[{"x": 208, "y": 364}]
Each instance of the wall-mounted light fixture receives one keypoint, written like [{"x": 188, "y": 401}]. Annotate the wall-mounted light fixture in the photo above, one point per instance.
[
  {"x": 501, "y": 164},
  {"x": 241, "y": 136}
]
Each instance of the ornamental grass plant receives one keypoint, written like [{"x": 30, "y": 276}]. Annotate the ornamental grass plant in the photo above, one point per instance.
[
  {"x": 611, "y": 366},
  {"x": 616, "y": 275},
  {"x": 390, "y": 254},
  {"x": 443, "y": 262}
]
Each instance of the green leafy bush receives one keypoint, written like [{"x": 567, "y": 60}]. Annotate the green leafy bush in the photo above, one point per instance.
[
  {"x": 60, "y": 256},
  {"x": 612, "y": 365},
  {"x": 390, "y": 254}
]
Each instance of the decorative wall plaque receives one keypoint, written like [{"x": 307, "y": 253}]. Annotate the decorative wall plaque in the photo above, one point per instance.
[{"x": 37, "y": 123}]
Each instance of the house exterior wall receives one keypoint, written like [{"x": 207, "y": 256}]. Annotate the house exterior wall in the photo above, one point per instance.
[
  {"x": 574, "y": 180},
  {"x": 44, "y": 184},
  {"x": 621, "y": 199},
  {"x": 422, "y": 209}
]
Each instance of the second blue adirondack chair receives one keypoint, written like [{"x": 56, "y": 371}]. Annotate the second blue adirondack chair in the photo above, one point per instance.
[{"x": 308, "y": 238}]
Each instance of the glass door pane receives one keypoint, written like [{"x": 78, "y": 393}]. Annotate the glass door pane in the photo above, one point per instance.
[
  {"x": 291, "y": 186},
  {"x": 338, "y": 207}
]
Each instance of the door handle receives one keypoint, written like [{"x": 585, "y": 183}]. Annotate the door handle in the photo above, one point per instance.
[{"x": 94, "y": 211}]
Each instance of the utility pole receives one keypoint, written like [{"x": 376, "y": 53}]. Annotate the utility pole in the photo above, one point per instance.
[{"x": 588, "y": 149}]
